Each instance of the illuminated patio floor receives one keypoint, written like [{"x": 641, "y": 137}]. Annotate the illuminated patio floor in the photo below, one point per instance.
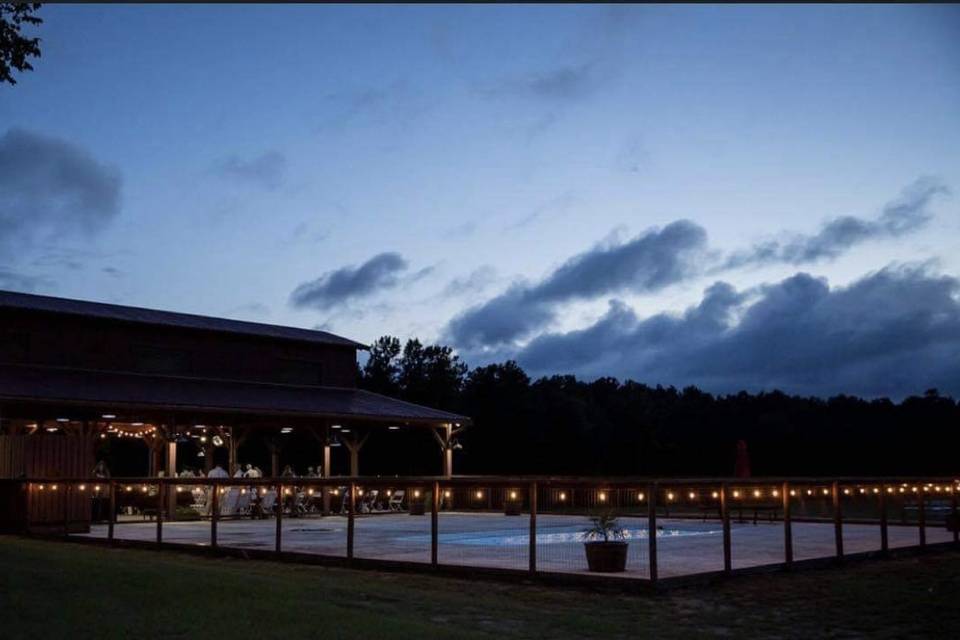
[{"x": 494, "y": 540}]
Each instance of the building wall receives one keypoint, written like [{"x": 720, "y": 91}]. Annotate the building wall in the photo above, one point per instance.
[{"x": 108, "y": 345}]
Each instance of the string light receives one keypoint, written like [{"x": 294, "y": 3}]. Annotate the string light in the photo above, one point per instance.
[
  {"x": 876, "y": 490},
  {"x": 826, "y": 492},
  {"x": 640, "y": 496},
  {"x": 96, "y": 488},
  {"x": 692, "y": 495},
  {"x": 53, "y": 487},
  {"x": 416, "y": 494},
  {"x": 809, "y": 492},
  {"x": 669, "y": 495},
  {"x": 446, "y": 494},
  {"x": 602, "y": 496},
  {"x": 756, "y": 493},
  {"x": 715, "y": 495},
  {"x": 479, "y": 495},
  {"x": 775, "y": 493},
  {"x": 40, "y": 487},
  {"x": 736, "y": 494},
  {"x": 82, "y": 487},
  {"x": 309, "y": 492},
  {"x": 846, "y": 492},
  {"x": 562, "y": 496}
]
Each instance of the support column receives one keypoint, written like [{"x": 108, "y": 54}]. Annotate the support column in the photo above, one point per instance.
[
  {"x": 354, "y": 445},
  {"x": 232, "y": 452},
  {"x": 326, "y": 472},
  {"x": 444, "y": 436},
  {"x": 171, "y": 472}
]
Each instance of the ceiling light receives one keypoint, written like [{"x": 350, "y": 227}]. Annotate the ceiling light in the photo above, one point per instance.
[
  {"x": 334, "y": 426},
  {"x": 286, "y": 429},
  {"x": 108, "y": 416},
  {"x": 63, "y": 419},
  {"x": 393, "y": 427},
  {"x": 136, "y": 424}
]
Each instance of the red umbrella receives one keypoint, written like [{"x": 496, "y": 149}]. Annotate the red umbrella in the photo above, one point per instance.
[{"x": 742, "y": 467}]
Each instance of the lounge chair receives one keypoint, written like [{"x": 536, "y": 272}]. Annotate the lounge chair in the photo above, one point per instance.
[{"x": 396, "y": 500}]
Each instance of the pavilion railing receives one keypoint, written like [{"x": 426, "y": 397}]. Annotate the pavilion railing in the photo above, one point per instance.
[{"x": 522, "y": 525}]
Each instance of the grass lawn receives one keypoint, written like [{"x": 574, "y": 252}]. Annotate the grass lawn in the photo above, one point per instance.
[{"x": 60, "y": 590}]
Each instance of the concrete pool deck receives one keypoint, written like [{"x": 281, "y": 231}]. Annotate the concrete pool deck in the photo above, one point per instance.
[{"x": 685, "y": 547}]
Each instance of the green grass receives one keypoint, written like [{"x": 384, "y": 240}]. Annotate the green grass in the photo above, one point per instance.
[{"x": 57, "y": 590}]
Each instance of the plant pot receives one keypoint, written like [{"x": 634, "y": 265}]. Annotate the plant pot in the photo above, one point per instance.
[
  {"x": 606, "y": 557},
  {"x": 418, "y": 508},
  {"x": 511, "y": 508}
]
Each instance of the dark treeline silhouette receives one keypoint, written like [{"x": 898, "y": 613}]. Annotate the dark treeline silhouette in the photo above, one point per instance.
[{"x": 561, "y": 425}]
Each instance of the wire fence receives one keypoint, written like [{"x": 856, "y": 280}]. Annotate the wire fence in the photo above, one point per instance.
[{"x": 640, "y": 529}]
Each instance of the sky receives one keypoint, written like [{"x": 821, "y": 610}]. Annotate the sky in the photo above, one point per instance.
[{"x": 736, "y": 197}]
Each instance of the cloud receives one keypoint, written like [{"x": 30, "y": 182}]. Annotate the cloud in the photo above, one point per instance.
[
  {"x": 14, "y": 281},
  {"x": 552, "y": 208},
  {"x": 904, "y": 215},
  {"x": 378, "y": 273},
  {"x": 648, "y": 262},
  {"x": 891, "y": 333},
  {"x": 51, "y": 189},
  {"x": 265, "y": 171},
  {"x": 474, "y": 282}
]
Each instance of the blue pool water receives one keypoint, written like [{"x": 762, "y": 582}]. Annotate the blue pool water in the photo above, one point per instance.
[{"x": 554, "y": 535}]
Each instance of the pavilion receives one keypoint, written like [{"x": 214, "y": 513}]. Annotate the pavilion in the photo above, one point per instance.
[{"x": 74, "y": 372}]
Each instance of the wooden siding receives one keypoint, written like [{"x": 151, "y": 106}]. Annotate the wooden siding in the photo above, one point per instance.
[{"x": 45, "y": 456}]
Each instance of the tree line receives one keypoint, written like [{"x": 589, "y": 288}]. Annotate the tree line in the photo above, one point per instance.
[{"x": 561, "y": 425}]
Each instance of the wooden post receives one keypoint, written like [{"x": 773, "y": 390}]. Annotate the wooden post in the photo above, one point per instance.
[
  {"x": 954, "y": 517},
  {"x": 112, "y": 510},
  {"x": 171, "y": 472},
  {"x": 652, "y": 530},
  {"x": 837, "y": 519},
  {"x": 325, "y": 473},
  {"x": 26, "y": 508},
  {"x": 275, "y": 461},
  {"x": 922, "y": 517},
  {"x": 232, "y": 452},
  {"x": 160, "y": 502},
  {"x": 214, "y": 515},
  {"x": 278, "y": 538},
  {"x": 434, "y": 523},
  {"x": 787, "y": 528},
  {"x": 725, "y": 517},
  {"x": 351, "y": 512},
  {"x": 66, "y": 507},
  {"x": 884, "y": 540},
  {"x": 533, "y": 527}
]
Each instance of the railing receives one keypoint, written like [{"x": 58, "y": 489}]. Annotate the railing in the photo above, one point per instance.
[{"x": 673, "y": 527}]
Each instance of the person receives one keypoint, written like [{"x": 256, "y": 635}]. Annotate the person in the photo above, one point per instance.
[
  {"x": 100, "y": 470},
  {"x": 218, "y": 472},
  {"x": 186, "y": 473},
  {"x": 288, "y": 472},
  {"x": 311, "y": 473},
  {"x": 256, "y": 472},
  {"x": 248, "y": 471},
  {"x": 239, "y": 472}
]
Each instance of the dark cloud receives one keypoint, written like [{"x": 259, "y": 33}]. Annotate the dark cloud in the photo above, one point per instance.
[
  {"x": 379, "y": 272},
  {"x": 891, "y": 333},
  {"x": 51, "y": 189},
  {"x": 904, "y": 215},
  {"x": 649, "y": 262},
  {"x": 265, "y": 171},
  {"x": 551, "y": 209}
]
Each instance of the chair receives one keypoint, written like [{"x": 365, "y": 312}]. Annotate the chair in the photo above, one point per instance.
[
  {"x": 267, "y": 502},
  {"x": 368, "y": 501},
  {"x": 396, "y": 500},
  {"x": 228, "y": 502}
]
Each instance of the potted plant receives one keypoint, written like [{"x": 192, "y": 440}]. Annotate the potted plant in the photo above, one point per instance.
[{"x": 605, "y": 544}]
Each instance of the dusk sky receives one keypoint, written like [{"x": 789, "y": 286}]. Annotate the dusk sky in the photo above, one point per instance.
[{"x": 737, "y": 197}]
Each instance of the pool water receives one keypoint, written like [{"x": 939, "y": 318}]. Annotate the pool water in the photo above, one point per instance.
[{"x": 554, "y": 535}]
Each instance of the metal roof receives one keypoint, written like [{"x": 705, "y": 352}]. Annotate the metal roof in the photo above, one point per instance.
[
  {"x": 101, "y": 389},
  {"x": 49, "y": 304}
]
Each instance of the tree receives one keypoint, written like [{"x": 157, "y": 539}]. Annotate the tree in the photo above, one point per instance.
[
  {"x": 381, "y": 369},
  {"x": 14, "y": 47}
]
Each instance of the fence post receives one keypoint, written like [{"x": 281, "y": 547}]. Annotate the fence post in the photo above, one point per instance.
[
  {"x": 953, "y": 513},
  {"x": 787, "y": 527},
  {"x": 160, "y": 503},
  {"x": 884, "y": 540},
  {"x": 434, "y": 523},
  {"x": 533, "y": 527},
  {"x": 112, "y": 510},
  {"x": 66, "y": 504},
  {"x": 725, "y": 516},
  {"x": 837, "y": 520},
  {"x": 351, "y": 512},
  {"x": 278, "y": 535},
  {"x": 922, "y": 517},
  {"x": 652, "y": 529},
  {"x": 214, "y": 515}
]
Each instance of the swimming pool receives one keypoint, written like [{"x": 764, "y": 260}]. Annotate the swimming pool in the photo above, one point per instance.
[{"x": 553, "y": 535}]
